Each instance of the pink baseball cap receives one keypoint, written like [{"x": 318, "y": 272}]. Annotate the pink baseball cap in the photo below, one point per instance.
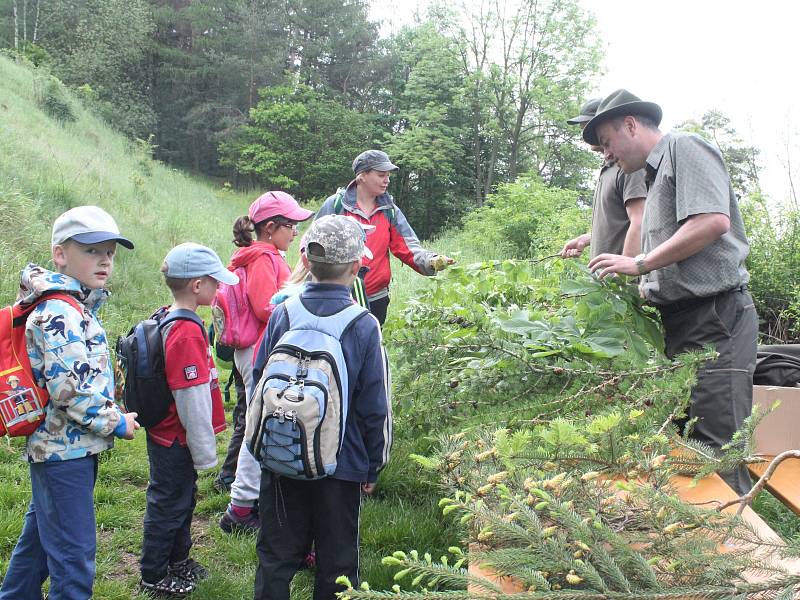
[{"x": 273, "y": 204}]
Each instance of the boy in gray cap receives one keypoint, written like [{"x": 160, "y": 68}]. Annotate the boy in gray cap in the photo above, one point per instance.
[
  {"x": 183, "y": 442},
  {"x": 69, "y": 358},
  {"x": 295, "y": 512}
]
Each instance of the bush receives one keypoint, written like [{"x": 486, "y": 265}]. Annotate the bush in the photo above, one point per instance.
[
  {"x": 774, "y": 266},
  {"x": 53, "y": 100},
  {"x": 527, "y": 218}
]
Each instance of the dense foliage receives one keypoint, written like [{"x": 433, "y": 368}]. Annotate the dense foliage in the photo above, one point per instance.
[
  {"x": 559, "y": 450},
  {"x": 527, "y": 218},
  {"x": 286, "y": 93}
]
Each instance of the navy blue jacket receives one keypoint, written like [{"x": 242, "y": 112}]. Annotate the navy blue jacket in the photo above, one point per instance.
[{"x": 368, "y": 430}]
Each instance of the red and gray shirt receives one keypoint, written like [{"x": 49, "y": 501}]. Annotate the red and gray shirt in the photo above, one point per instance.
[
  {"x": 392, "y": 234},
  {"x": 197, "y": 413}
]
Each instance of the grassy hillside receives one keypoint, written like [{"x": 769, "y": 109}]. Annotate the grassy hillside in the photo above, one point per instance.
[{"x": 46, "y": 168}]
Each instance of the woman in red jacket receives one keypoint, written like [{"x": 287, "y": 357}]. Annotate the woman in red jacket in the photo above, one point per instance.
[
  {"x": 273, "y": 219},
  {"x": 366, "y": 199}
]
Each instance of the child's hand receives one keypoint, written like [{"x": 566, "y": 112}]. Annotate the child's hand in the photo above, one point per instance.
[
  {"x": 130, "y": 425},
  {"x": 368, "y": 488}
]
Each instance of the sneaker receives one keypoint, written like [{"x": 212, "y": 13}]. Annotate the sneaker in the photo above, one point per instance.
[
  {"x": 223, "y": 483},
  {"x": 190, "y": 570},
  {"x": 171, "y": 586},
  {"x": 231, "y": 523}
]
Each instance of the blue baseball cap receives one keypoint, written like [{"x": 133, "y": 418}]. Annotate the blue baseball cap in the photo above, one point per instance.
[{"x": 190, "y": 260}]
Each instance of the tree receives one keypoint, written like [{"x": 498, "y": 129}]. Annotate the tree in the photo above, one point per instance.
[
  {"x": 332, "y": 46},
  {"x": 210, "y": 59},
  {"x": 102, "y": 46},
  {"x": 430, "y": 130},
  {"x": 532, "y": 61},
  {"x": 741, "y": 159},
  {"x": 299, "y": 141}
]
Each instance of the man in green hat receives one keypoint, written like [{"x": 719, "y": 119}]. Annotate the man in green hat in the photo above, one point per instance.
[
  {"x": 617, "y": 205},
  {"x": 692, "y": 261}
]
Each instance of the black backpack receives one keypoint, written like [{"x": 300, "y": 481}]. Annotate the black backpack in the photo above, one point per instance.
[{"x": 140, "y": 366}]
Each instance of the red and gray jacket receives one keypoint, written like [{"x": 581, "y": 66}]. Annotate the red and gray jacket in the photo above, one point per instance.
[{"x": 392, "y": 234}]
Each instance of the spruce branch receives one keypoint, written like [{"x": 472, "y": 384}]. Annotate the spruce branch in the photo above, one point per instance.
[{"x": 748, "y": 498}]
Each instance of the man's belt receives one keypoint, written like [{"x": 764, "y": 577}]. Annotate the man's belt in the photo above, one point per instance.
[{"x": 689, "y": 303}]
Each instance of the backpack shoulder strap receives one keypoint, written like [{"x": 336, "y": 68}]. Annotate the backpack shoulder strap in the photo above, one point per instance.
[
  {"x": 22, "y": 316},
  {"x": 334, "y": 325},
  {"x": 338, "y": 202},
  {"x": 182, "y": 314},
  {"x": 390, "y": 210}
]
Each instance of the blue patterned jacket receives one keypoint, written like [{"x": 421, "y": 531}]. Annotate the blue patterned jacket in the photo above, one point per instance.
[{"x": 69, "y": 355}]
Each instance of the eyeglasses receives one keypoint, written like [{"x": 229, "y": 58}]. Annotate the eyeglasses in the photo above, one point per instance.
[{"x": 292, "y": 226}]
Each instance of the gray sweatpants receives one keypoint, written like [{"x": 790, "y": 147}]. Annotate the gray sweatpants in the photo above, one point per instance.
[
  {"x": 723, "y": 396},
  {"x": 246, "y": 485}
]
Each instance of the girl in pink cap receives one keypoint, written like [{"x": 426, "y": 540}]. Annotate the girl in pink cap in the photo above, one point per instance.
[{"x": 268, "y": 229}]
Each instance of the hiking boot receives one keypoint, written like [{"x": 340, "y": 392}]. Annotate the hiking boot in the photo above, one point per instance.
[
  {"x": 171, "y": 586},
  {"x": 230, "y": 522},
  {"x": 190, "y": 570},
  {"x": 223, "y": 483}
]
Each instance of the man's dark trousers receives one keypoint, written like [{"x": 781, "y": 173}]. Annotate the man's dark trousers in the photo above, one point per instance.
[
  {"x": 293, "y": 512},
  {"x": 171, "y": 498},
  {"x": 723, "y": 396}
]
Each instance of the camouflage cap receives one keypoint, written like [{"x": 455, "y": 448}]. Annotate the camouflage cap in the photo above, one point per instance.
[{"x": 336, "y": 239}]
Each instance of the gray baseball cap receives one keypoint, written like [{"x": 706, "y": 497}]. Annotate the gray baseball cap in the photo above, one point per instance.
[
  {"x": 87, "y": 225},
  {"x": 373, "y": 160},
  {"x": 588, "y": 111},
  {"x": 190, "y": 260},
  {"x": 336, "y": 239}
]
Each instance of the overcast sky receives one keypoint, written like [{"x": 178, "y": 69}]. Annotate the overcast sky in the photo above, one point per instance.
[{"x": 689, "y": 56}]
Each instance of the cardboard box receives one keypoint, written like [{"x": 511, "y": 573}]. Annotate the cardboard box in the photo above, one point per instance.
[{"x": 779, "y": 430}]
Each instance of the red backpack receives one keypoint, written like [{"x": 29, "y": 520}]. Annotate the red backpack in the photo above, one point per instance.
[
  {"x": 235, "y": 323},
  {"x": 22, "y": 401}
]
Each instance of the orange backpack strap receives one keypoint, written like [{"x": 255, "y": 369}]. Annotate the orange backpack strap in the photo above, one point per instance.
[{"x": 22, "y": 315}]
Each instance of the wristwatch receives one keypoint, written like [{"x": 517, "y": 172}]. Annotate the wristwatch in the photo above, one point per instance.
[{"x": 639, "y": 260}]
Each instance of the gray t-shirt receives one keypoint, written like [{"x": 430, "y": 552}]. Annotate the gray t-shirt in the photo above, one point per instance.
[
  {"x": 687, "y": 176},
  {"x": 610, "y": 220}
]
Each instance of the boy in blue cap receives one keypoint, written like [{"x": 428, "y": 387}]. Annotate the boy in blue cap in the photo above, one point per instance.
[
  {"x": 183, "y": 443},
  {"x": 69, "y": 356}
]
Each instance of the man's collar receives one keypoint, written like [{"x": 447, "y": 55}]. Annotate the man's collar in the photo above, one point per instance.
[{"x": 653, "y": 161}]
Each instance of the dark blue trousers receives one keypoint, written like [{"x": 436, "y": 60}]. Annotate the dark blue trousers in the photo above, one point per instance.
[
  {"x": 292, "y": 514},
  {"x": 58, "y": 536},
  {"x": 171, "y": 498}
]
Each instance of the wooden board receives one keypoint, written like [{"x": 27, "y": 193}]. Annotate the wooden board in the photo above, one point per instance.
[
  {"x": 711, "y": 491},
  {"x": 778, "y": 430},
  {"x": 784, "y": 483}
]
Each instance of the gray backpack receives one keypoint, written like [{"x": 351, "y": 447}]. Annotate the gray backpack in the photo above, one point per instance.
[{"x": 297, "y": 415}]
